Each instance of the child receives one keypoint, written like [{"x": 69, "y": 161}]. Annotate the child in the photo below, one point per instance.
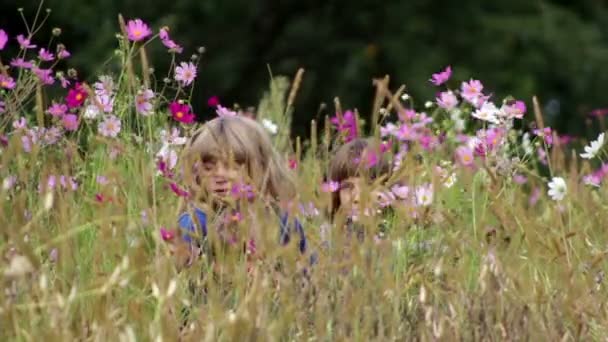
[
  {"x": 230, "y": 164},
  {"x": 360, "y": 168}
]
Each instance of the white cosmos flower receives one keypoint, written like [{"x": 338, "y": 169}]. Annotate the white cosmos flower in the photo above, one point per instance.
[
  {"x": 487, "y": 112},
  {"x": 270, "y": 126},
  {"x": 424, "y": 195},
  {"x": 595, "y": 146},
  {"x": 557, "y": 188},
  {"x": 91, "y": 112}
]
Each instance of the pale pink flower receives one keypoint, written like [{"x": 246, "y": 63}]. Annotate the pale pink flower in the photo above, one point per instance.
[
  {"x": 401, "y": 191},
  {"x": 185, "y": 73},
  {"x": 57, "y": 109},
  {"x": 143, "y": 103},
  {"x": 168, "y": 42},
  {"x": 424, "y": 195},
  {"x": 20, "y": 124},
  {"x": 70, "y": 122},
  {"x": 442, "y": 77},
  {"x": 110, "y": 127},
  {"x": 223, "y": 111},
  {"x": 330, "y": 186},
  {"x": 44, "y": 75},
  {"x": 447, "y": 100},
  {"x": 25, "y": 42},
  {"x": 472, "y": 91}
]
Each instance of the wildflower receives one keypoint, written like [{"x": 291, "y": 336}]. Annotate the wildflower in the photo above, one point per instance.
[
  {"x": 593, "y": 179},
  {"x": 63, "y": 54},
  {"x": 213, "y": 101},
  {"x": 389, "y": 129},
  {"x": 45, "y": 55},
  {"x": 546, "y": 134},
  {"x": 347, "y": 124},
  {"x": 185, "y": 73},
  {"x": 76, "y": 96},
  {"x": 9, "y": 182},
  {"x": 242, "y": 191},
  {"x": 7, "y": 82},
  {"x": 405, "y": 97},
  {"x": 424, "y": 195},
  {"x": 450, "y": 181},
  {"x": 20, "y": 124},
  {"x": 143, "y": 105},
  {"x": 44, "y": 75},
  {"x": 178, "y": 191},
  {"x": 106, "y": 103},
  {"x": 223, "y": 111},
  {"x": 542, "y": 155},
  {"x": 557, "y": 189},
  {"x": 70, "y": 122},
  {"x": 166, "y": 235},
  {"x": 21, "y": 63},
  {"x": 592, "y": 150},
  {"x": 292, "y": 163},
  {"x": 168, "y": 43},
  {"x": 401, "y": 191},
  {"x": 465, "y": 156},
  {"x": 3, "y": 39},
  {"x": 270, "y": 126},
  {"x": 519, "y": 179},
  {"x": 91, "y": 111},
  {"x": 447, "y": 100},
  {"x": 167, "y": 160},
  {"x": 181, "y": 112},
  {"x": 110, "y": 127},
  {"x": 57, "y": 109},
  {"x": 173, "y": 138},
  {"x": 137, "y": 30},
  {"x": 487, "y": 112},
  {"x": 330, "y": 186},
  {"x": 104, "y": 87},
  {"x": 515, "y": 110},
  {"x": 441, "y": 77},
  {"x": 64, "y": 81},
  {"x": 472, "y": 91},
  {"x": 25, "y": 42},
  {"x": 52, "y": 135},
  {"x": 309, "y": 209}
]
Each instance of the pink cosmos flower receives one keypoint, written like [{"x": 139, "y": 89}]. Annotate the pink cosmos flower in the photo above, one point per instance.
[
  {"x": 331, "y": 186},
  {"x": 20, "y": 124},
  {"x": 519, "y": 179},
  {"x": 401, "y": 191},
  {"x": 168, "y": 42},
  {"x": 223, "y": 111},
  {"x": 178, "y": 191},
  {"x": 76, "y": 96},
  {"x": 25, "y": 42},
  {"x": 593, "y": 179},
  {"x": 173, "y": 137},
  {"x": 137, "y": 30},
  {"x": 181, "y": 112},
  {"x": 70, "y": 122},
  {"x": 110, "y": 127},
  {"x": 515, "y": 110},
  {"x": 185, "y": 73},
  {"x": 21, "y": 63},
  {"x": 105, "y": 86},
  {"x": 7, "y": 82},
  {"x": 408, "y": 114},
  {"x": 346, "y": 124},
  {"x": 546, "y": 133},
  {"x": 45, "y": 55},
  {"x": 464, "y": 156},
  {"x": 213, "y": 101},
  {"x": 389, "y": 129},
  {"x": 407, "y": 133},
  {"x": 424, "y": 195},
  {"x": 472, "y": 91},
  {"x": 242, "y": 191},
  {"x": 106, "y": 103},
  {"x": 447, "y": 100},
  {"x": 542, "y": 156},
  {"x": 143, "y": 103},
  {"x": 63, "y": 54},
  {"x": 44, "y": 75},
  {"x": 3, "y": 39},
  {"x": 27, "y": 143},
  {"x": 52, "y": 135},
  {"x": 441, "y": 77},
  {"x": 64, "y": 81},
  {"x": 292, "y": 163}
]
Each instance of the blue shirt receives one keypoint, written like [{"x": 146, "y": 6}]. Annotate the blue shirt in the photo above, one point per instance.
[{"x": 186, "y": 222}]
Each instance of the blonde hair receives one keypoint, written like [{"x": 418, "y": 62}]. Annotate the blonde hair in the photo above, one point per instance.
[
  {"x": 348, "y": 162},
  {"x": 244, "y": 141}
]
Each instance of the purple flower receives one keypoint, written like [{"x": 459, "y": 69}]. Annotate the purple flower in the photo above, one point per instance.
[
  {"x": 223, "y": 111},
  {"x": 25, "y": 42},
  {"x": 185, "y": 73},
  {"x": 515, "y": 110},
  {"x": 143, "y": 105},
  {"x": 347, "y": 124},
  {"x": 105, "y": 86},
  {"x": 243, "y": 191},
  {"x": 45, "y": 55},
  {"x": 7, "y": 82},
  {"x": 64, "y": 81},
  {"x": 44, "y": 75},
  {"x": 519, "y": 179},
  {"x": 110, "y": 127},
  {"x": 3, "y": 39},
  {"x": 57, "y": 109},
  {"x": 20, "y": 124},
  {"x": 178, "y": 191},
  {"x": 441, "y": 77},
  {"x": 21, "y": 63},
  {"x": 63, "y": 54},
  {"x": 27, "y": 143},
  {"x": 137, "y": 30},
  {"x": 472, "y": 91},
  {"x": 331, "y": 186},
  {"x": 70, "y": 122},
  {"x": 106, "y": 103},
  {"x": 464, "y": 156},
  {"x": 447, "y": 100},
  {"x": 167, "y": 42},
  {"x": 546, "y": 134},
  {"x": 52, "y": 135}
]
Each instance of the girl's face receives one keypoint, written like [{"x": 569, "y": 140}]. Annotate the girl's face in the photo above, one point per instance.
[
  {"x": 351, "y": 193},
  {"x": 220, "y": 174}
]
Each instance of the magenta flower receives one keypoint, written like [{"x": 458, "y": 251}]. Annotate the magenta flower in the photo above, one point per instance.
[
  {"x": 137, "y": 30},
  {"x": 166, "y": 235},
  {"x": 168, "y": 42},
  {"x": 143, "y": 103},
  {"x": 44, "y": 75},
  {"x": 546, "y": 134},
  {"x": 599, "y": 112},
  {"x": 447, "y": 100},
  {"x": 63, "y": 54},
  {"x": 25, "y": 42},
  {"x": 76, "y": 96},
  {"x": 242, "y": 191},
  {"x": 472, "y": 91},
  {"x": 464, "y": 156},
  {"x": 70, "y": 122},
  {"x": 407, "y": 133},
  {"x": 292, "y": 163},
  {"x": 45, "y": 55},
  {"x": 441, "y": 77},
  {"x": 593, "y": 179},
  {"x": 21, "y": 63},
  {"x": 331, "y": 186},
  {"x": 185, "y": 73},
  {"x": 181, "y": 112},
  {"x": 110, "y": 127},
  {"x": 178, "y": 191},
  {"x": 7, "y": 82},
  {"x": 346, "y": 124},
  {"x": 213, "y": 101},
  {"x": 3, "y": 39}
]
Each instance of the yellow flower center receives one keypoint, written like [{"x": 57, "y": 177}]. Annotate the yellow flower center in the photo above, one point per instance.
[
  {"x": 78, "y": 97},
  {"x": 137, "y": 33},
  {"x": 466, "y": 158},
  {"x": 179, "y": 115}
]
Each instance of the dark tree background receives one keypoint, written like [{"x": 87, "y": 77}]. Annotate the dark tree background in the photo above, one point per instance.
[{"x": 556, "y": 49}]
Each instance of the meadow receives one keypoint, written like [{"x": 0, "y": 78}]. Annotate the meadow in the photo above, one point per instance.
[{"x": 496, "y": 229}]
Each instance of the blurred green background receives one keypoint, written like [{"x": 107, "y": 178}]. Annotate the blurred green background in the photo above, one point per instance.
[{"x": 555, "y": 49}]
